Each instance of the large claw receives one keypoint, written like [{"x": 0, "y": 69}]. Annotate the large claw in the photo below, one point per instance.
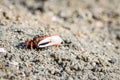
[{"x": 49, "y": 41}]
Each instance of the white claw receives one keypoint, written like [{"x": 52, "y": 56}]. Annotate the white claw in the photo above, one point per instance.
[{"x": 49, "y": 41}]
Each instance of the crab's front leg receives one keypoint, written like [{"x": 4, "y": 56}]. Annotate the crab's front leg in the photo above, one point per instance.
[
  {"x": 56, "y": 45},
  {"x": 36, "y": 45},
  {"x": 35, "y": 41}
]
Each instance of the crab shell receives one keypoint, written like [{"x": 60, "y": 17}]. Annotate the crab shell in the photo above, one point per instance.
[{"x": 50, "y": 41}]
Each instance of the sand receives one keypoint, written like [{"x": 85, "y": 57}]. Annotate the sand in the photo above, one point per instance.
[{"x": 90, "y": 30}]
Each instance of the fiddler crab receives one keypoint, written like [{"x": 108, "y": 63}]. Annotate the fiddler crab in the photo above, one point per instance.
[{"x": 43, "y": 41}]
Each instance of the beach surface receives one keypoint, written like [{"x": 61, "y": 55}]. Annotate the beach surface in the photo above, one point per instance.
[{"x": 90, "y": 30}]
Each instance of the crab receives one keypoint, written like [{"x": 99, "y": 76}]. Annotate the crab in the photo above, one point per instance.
[{"x": 43, "y": 41}]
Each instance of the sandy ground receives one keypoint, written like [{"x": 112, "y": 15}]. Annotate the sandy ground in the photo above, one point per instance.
[{"x": 90, "y": 30}]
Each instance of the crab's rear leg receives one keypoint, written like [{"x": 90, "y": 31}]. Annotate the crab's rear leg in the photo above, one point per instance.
[
  {"x": 26, "y": 43},
  {"x": 29, "y": 44}
]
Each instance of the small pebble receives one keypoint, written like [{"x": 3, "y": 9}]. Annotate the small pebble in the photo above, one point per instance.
[
  {"x": 112, "y": 61},
  {"x": 93, "y": 63},
  {"x": 2, "y": 50},
  {"x": 14, "y": 63}
]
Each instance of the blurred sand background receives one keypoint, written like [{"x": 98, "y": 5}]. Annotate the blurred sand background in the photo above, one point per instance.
[{"x": 90, "y": 30}]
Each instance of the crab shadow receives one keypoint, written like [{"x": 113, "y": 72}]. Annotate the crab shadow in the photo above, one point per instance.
[{"x": 20, "y": 45}]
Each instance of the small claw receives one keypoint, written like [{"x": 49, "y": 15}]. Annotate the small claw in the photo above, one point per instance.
[{"x": 49, "y": 41}]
